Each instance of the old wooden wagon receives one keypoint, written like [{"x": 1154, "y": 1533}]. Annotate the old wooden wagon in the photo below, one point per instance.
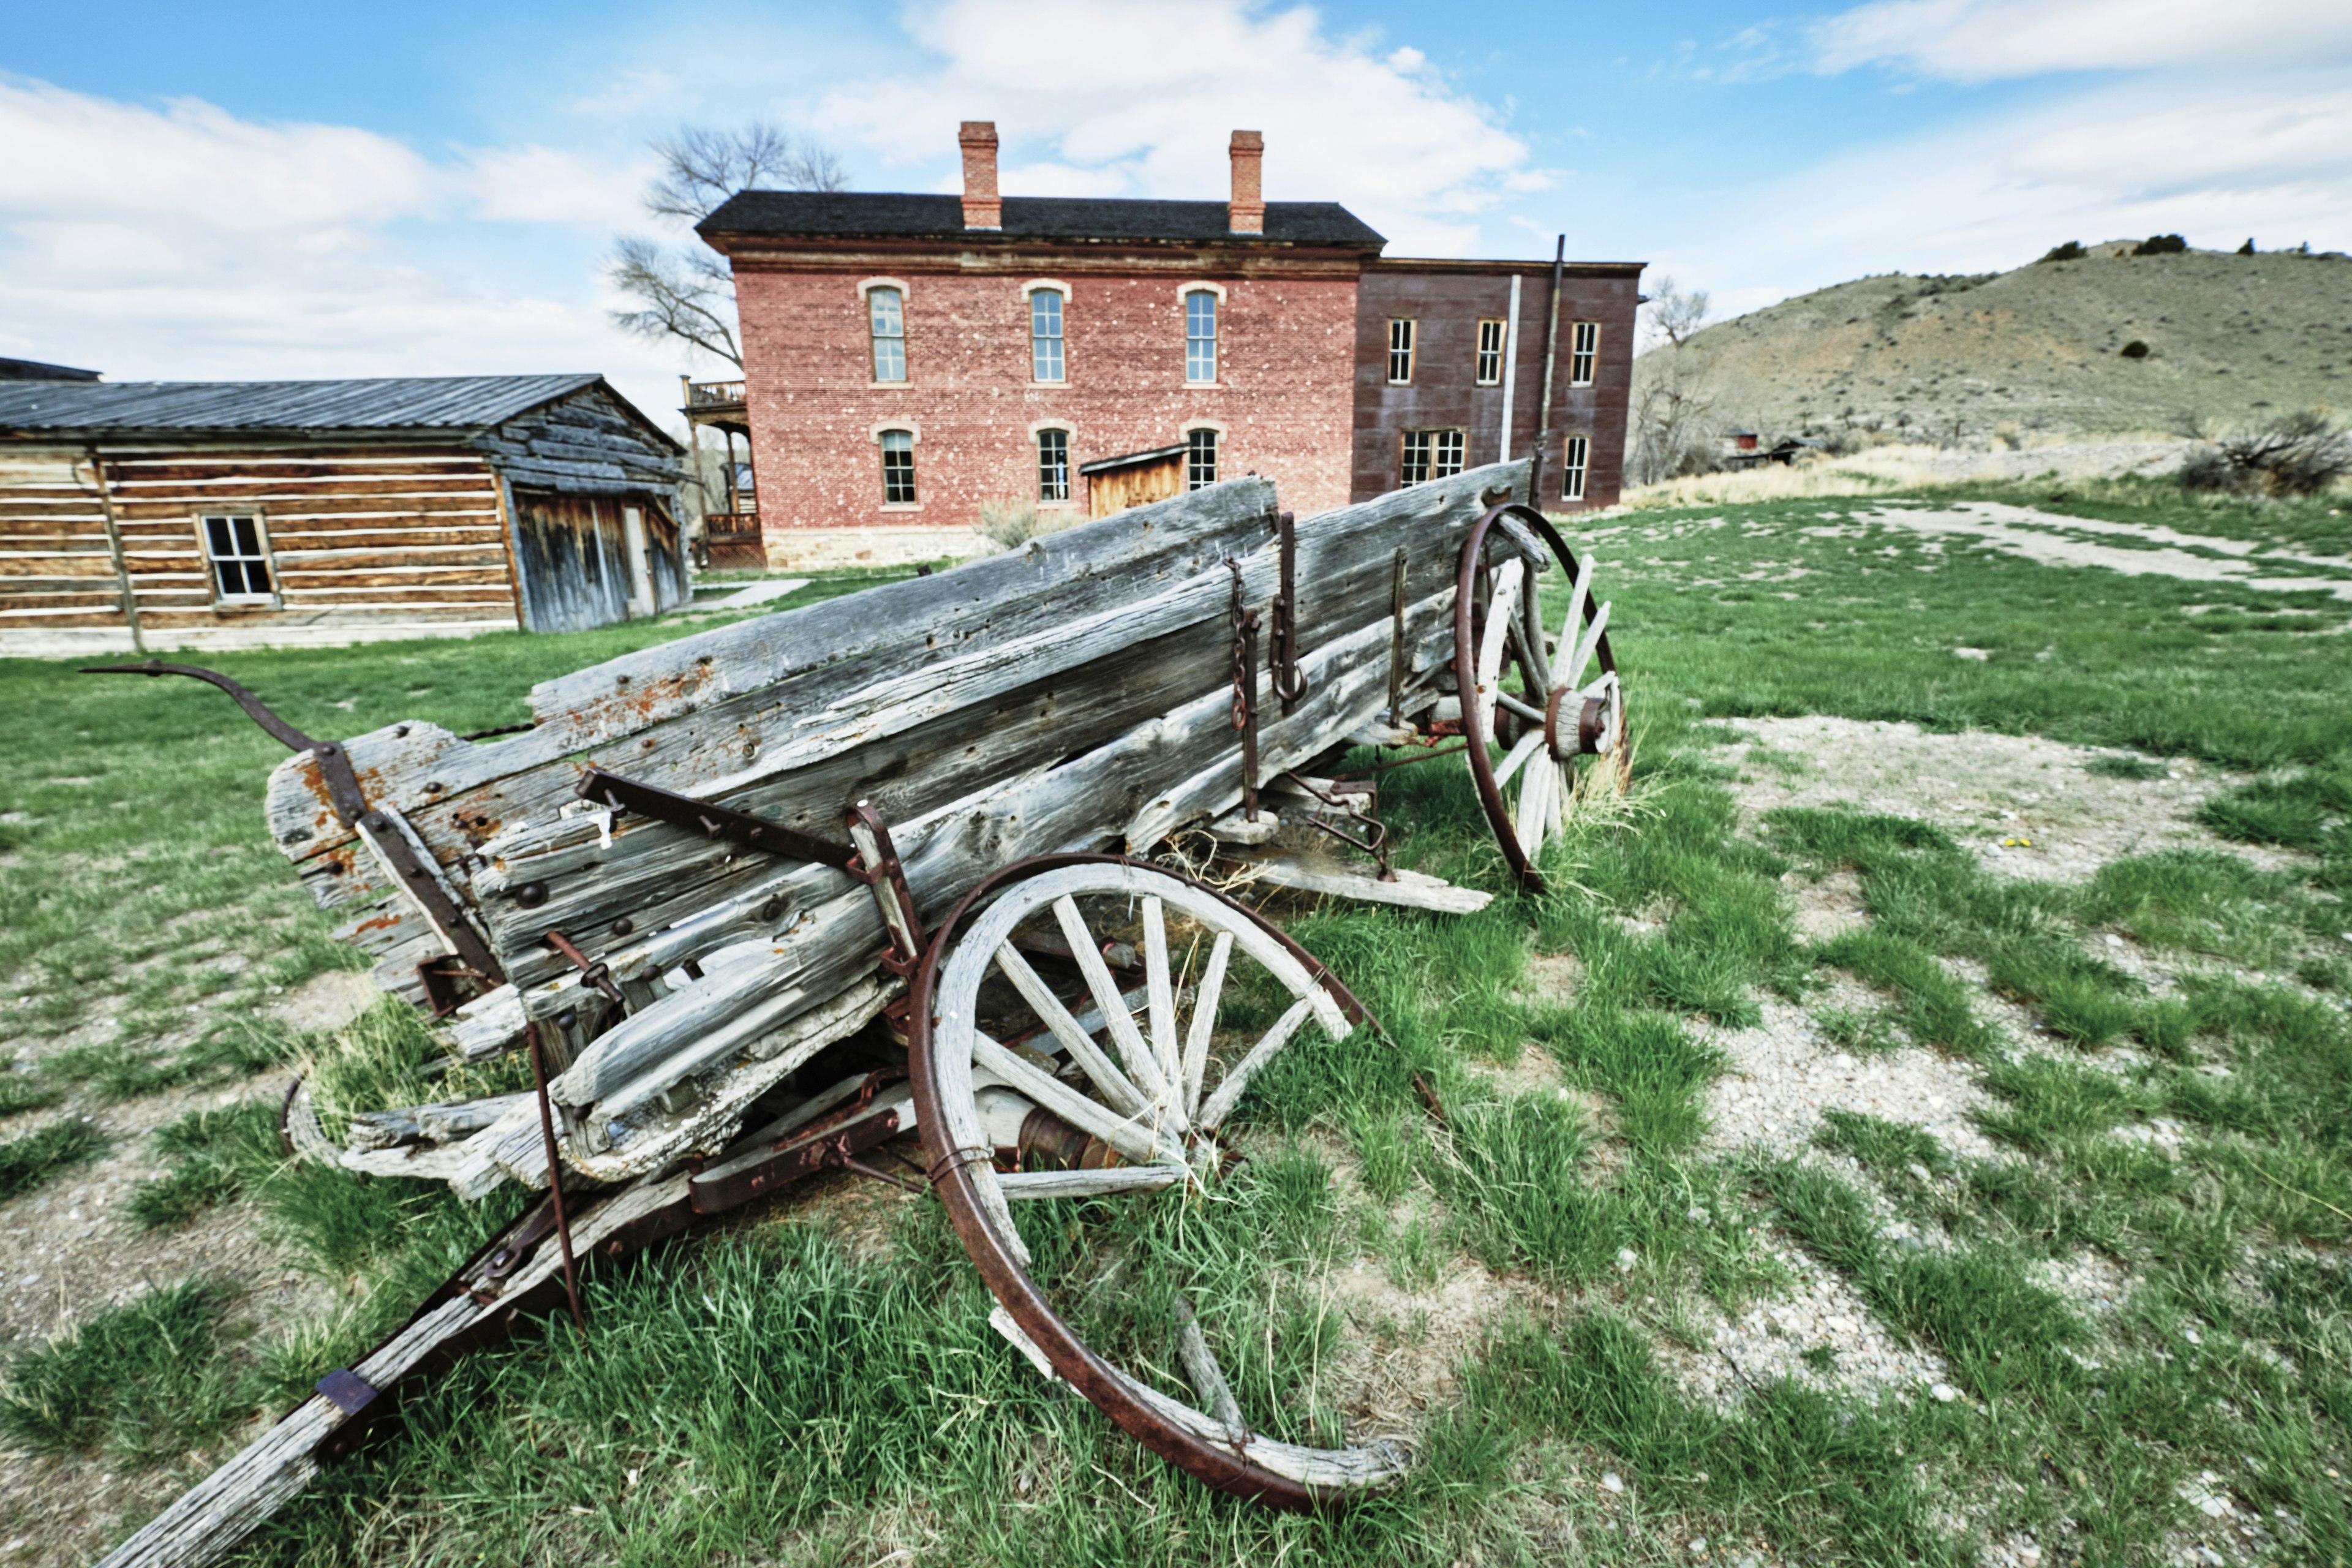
[{"x": 756, "y": 902}]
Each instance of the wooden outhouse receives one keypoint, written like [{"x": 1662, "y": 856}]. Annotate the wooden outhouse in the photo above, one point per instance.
[{"x": 234, "y": 514}]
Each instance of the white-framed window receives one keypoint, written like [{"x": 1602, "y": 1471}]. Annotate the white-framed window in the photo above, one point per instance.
[
  {"x": 1583, "y": 348},
  {"x": 237, "y": 558},
  {"x": 1201, "y": 337},
  {"x": 1046, "y": 362},
  {"x": 897, "y": 467},
  {"x": 1401, "y": 329},
  {"x": 885, "y": 316},
  {"x": 1490, "y": 353},
  {"x": 1429, "y": 455},
  {"x": 1052, "y": 465},
  {"x": 1575, "y": 454},
  {"x": 1200, "y": 457}
]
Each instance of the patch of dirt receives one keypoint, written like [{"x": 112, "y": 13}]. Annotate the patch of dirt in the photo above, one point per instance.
[
  {"x": 2052, "y": 539},
  {"x": 1823, "y": 1315},
  {"x": 2026, "y": 807},
  {"x": 1417, "y": 1341},
  {"x": 1828, "y": 907},
  {"x": 1780, "y": 1075}
]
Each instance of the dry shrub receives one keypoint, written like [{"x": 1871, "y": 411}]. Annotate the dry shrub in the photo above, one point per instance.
[
  {"x": 2294, "y": 454},
  {"x": 1011, "y": 521}
]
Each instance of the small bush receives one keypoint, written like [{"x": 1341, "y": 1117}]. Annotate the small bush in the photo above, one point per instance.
[
  {"x": 1011, "y": 521},
  {"x": 26, "y": 1162},
  {"x": 2134, "y": 350},
  {"x": 2160, "y": 245},
  {"x": 2070, "y": 251},
  {"x": 2124, "y": 765},
  {"x": 2294, "y": 454}
]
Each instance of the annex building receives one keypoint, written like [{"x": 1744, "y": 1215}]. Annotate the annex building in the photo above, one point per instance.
[{"x": 908, "y": 357}]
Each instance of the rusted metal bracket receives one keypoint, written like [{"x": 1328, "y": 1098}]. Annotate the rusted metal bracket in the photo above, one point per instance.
[
  {"x": 1281, "y": 631},
  {"x": 877, "y": 864},
  {"x": 379, "y": 827},
  {"x": 717, "y": 821},
  {"x": 1245, "y": 622},
  {"x": 1396, "y": 640},
  {"x": 1375, "y": 842}
]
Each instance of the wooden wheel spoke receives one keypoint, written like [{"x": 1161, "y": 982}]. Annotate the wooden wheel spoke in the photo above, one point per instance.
[
  {"x": 1117, "y": 1019},
  {"x": 1573, "y": 671},
  {"x": 1205, "y": 1020},
  {"x": 1160, "y": 997},
  {"x": 1535, "y": 808},
  {"x": 1573, "y": 622},
  {"x": 1138, "y": 1142},
  {"x": 1229, "y": 1092},
  {"x": 1200, "y": 1366},
  {"x": 1501, "y": 609},
  {"x": 1528, "y": 745},
  {"x": 1122, "y": 1095}
]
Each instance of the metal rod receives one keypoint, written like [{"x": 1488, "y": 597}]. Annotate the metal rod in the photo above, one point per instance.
[
  {"x": 555, "y": 1180},
  {"x": 1552, "y": 357}
]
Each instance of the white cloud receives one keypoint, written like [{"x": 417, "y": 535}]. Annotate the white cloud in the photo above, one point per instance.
[
  {"x": 182, "y": 242},
  {"x": 1975, "y": 40},
  {"x": 1153, "y": 88},
  {"x": 2270, "y": 159}
]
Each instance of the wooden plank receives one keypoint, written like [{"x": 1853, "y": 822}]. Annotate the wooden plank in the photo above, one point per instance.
[{"x": 1410, "y": 889}]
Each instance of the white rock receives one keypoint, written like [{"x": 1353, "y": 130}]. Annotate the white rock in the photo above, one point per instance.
[
  {"x": 1626, "y": 1259},
  {"x": 1612, "y": 1482},
  {"x": 1944, "y": 1393},
  {"x": 1698, "y": 1546}
]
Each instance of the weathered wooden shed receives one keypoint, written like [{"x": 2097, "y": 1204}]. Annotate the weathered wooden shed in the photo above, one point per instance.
[{"x": 228, "y": 514}]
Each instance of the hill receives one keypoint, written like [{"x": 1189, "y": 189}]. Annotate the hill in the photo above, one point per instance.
[{"x": 2041, "y": 349}]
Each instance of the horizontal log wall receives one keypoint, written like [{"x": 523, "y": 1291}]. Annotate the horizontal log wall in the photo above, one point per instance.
[{"x": 381, "y": 539}]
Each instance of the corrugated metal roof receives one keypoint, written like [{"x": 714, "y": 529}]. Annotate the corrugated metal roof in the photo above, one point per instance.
[
  {"x": 390, "y": 403},
  {"x": 907, "y": 215},
  {"x": 40, "y": 369}
]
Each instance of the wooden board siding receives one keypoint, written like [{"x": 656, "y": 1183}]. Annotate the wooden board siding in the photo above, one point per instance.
[
  {"x": 573, "y": 552},
  {"x": 1116, "y": 489},
  {"x": 390, "y": 541},
  {"x": 56, "y": 568}
]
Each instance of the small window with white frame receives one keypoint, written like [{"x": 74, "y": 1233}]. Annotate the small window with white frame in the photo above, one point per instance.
[
  {"x": 1046, "y": 362},
  {"x": 1052, "y": 465},
  {"x": 237, "y": 558},
  {"x": 1428, "y": 455},
  {"x": 1400, "y": 331},
  {"x": 897, "y": 467},
  {"x": 1490, "y": 353},
  {"x": 1200, "y": 337},
  {"x": 885, "y": 312},
  {"x": 1575, "y": 456},
  {"x": 1583, "y": 348},
  {"x": 1200, "y": 457}
]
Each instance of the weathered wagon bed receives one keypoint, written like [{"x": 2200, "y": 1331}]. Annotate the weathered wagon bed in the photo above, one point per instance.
[{"x": 920, "y": 819}]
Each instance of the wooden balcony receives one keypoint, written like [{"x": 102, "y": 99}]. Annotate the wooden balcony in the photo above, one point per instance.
[{"x": 716, "y": 403}]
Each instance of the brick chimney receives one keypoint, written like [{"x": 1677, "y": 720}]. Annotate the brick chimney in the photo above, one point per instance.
[
  {"x": 1248, "y": 208},
  {"x": 982, "y": 209}
]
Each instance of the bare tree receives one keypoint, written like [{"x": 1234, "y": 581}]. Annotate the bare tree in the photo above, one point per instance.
[
  {"x": 688, "y": 293},
  {"x": 1674, "y": 396}
]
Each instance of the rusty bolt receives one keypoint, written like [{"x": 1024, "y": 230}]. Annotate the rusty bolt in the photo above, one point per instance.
[{"x": 531, "y": 895}]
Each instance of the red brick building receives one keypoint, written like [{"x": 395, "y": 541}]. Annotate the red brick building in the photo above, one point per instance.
[{"x": 909, "y": 357}]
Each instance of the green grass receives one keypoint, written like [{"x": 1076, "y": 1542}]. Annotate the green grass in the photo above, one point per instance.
[
  {"x": 142, "y": 1382},
  {"x": 27, "y": 1162},
  {"x": 772, "y": 1390}
]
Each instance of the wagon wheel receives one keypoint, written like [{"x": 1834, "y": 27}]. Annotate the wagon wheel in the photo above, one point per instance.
[
  {"x": 1556, "y": 715},
  {"x": 1131, "y": 1107}
]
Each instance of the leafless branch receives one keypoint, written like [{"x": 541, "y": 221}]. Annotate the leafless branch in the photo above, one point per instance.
[
  {"x": 702, "y": 168},
  {"x": 688, "y": 298}
]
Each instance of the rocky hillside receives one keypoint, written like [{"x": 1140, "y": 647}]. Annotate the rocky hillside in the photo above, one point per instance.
[{"x": 2048, "y": 347}]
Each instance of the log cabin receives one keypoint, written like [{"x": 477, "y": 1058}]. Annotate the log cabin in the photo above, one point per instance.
[{"x": 159, "y": 515}]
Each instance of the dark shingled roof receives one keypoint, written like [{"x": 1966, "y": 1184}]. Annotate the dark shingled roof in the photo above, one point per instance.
[
  {"x": 34, "y": 370},
  {"x": 867, "y": 214},
  {"x": 391, "y": 403}
]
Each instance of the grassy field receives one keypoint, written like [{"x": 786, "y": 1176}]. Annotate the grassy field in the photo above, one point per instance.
[{"x": 818, "y": 1384}]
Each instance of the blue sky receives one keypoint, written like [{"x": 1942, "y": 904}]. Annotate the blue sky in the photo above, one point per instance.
[{"x": 279, "y": 190}]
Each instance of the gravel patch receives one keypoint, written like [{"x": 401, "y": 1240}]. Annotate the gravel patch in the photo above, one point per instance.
[{"x": 1782, "y": 1074}]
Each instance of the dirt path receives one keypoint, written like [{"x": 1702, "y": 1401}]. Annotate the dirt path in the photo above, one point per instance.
[{"x": 2055, "y": 539}]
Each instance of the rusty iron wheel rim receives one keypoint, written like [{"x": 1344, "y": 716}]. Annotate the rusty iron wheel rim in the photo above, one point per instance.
[
  {"x": 1477, "y": 731},
  {"x": 1218, "y": 1464}
]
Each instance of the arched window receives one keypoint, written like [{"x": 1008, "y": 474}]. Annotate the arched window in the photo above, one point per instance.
[
  {"x": 1201, "y": 337},
  {"x": 885, "y": 312},
  {"x": 1046, "y": 335},
  {"x": 1199, "y": 451},
  {"x": 1052, "y": 465},
  {"x": 897, "y": 467}
]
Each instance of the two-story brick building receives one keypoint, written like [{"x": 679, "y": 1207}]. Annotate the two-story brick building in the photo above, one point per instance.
[{"x": 908, "y": 357}]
